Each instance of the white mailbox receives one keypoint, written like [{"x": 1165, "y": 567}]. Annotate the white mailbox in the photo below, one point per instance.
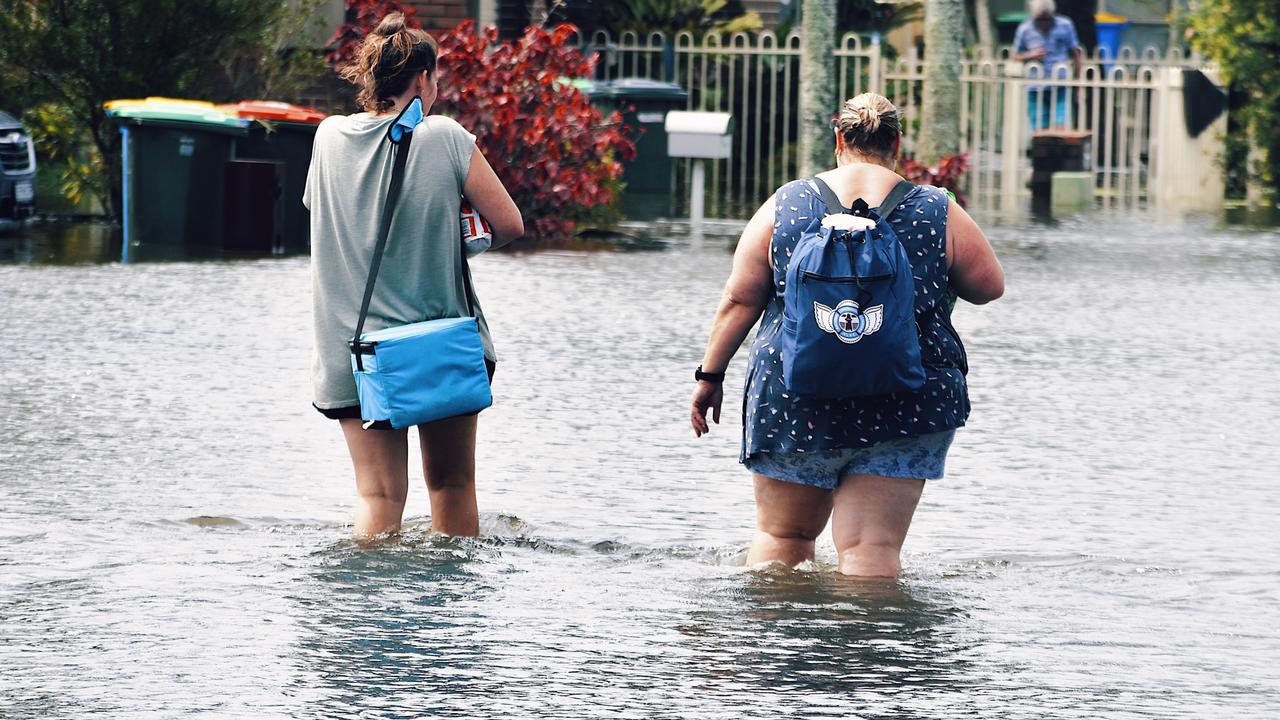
[
  {"x": 692, "y": 134},
  {"x": 701, "y": 136}
]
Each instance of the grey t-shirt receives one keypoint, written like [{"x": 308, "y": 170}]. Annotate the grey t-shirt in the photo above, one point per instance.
[{"x": 421, "y": 273}]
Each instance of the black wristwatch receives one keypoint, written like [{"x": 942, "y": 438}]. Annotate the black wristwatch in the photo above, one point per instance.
[{"x": 709, "y": 377}]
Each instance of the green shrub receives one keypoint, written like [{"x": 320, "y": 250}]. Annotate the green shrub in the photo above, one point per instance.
[{"x": 1243, "y": 37}]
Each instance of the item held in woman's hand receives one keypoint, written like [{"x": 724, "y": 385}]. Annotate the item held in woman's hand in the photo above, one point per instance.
[{"x": 477, "y": 236}]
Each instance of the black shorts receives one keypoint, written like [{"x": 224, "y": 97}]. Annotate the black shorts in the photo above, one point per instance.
[{"x": 352, "y": 412}]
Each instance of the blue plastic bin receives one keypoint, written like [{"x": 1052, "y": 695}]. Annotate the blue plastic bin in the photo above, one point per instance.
[{"x": 1109, "y": 37}]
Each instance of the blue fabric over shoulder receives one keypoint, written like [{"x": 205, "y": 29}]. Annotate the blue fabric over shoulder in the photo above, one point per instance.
[{"x": 408, "y": 119}]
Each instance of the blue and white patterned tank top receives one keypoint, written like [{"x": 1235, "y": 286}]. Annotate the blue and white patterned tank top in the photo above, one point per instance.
[{"x": 776, "y": 421}]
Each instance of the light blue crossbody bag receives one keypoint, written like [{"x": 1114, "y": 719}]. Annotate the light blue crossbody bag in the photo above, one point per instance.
[{"x": 425, "y": 371}]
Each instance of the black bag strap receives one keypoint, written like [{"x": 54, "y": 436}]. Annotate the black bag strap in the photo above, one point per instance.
[
  {"x": 890, "y": 203},
  {"x": 829, "y": 197},
  {"x": 384, "y": 227},
  {"x": 895, "y": 198}
]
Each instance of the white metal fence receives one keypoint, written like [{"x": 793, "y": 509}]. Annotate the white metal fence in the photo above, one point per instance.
[{"x": 756, "y": 77}]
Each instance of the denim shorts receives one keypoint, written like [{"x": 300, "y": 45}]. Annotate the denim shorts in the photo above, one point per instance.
[{"x": 919, "y": 458}]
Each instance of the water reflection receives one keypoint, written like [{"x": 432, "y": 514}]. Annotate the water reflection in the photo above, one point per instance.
[
  {"x": 92, "y": 243},
  {"x": 882, "y": 646},
  {"x": 380, "y": 635},
  {"x": 61, "y": 244},
  {"x": 1260, "y": 217}
]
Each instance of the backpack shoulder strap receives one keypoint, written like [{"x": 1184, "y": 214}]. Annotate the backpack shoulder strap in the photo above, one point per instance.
[
  {"x": 829, "y": 197},
  {"x": 895, "y": 198},
  {"x": 889, "y": 204}
]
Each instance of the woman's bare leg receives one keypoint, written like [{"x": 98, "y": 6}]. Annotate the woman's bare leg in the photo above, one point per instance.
[
  {"x": 449, "y": 463},
  {"x": 789, "y": 516},
  {"x": 381, "y": 461},
  {"x": 869, "y": 523}
]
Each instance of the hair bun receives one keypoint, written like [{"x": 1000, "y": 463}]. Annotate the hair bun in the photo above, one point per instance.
[
  {"x": 865, "y": 117},
  {"x": 389, "y": 59},
  {"x": 869, "y": 123},
  {"x": 390, "y": 25}
]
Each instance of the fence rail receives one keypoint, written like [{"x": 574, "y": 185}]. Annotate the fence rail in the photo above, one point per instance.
[{"x": 755, "y": 77}]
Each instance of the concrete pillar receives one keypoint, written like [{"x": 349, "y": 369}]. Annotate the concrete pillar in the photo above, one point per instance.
[
  {"x": 1012, "y": 147},
  {"x": 1186, "y": 171},
  {"x": 1070, "y": 191}
]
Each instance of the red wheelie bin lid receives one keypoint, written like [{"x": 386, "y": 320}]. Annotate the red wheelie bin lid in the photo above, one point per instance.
[{"x": 272, "y": 110}]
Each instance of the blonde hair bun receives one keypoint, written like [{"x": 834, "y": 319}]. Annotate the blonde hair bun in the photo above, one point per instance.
[{"x": 869, "y": 124}]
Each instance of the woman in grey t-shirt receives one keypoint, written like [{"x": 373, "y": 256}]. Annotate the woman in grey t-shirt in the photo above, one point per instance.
[{"x": 422, "y": 273}]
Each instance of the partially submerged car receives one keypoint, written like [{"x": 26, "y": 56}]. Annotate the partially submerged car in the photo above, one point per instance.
[{"x": 17, "y": 172}]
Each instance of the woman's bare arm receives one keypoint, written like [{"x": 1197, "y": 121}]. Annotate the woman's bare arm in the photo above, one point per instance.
[
  {"x": 486, "y": 194},
  {"x": 746, "y": 293},
  {"x": 976, "y": 275}
]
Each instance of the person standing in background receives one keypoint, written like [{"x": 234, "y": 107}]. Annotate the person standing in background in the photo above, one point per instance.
[{"x": 1050, "y": 41}]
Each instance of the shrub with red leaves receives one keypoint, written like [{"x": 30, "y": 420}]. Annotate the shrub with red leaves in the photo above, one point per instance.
[
  {"x": 362, "y": 17},
  {"x": 555, "y": 153},
  {"x": 947, "y": 173}
]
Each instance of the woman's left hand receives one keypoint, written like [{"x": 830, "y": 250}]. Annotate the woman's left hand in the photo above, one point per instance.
[
  {"x": 748, "y": 290},
  {"x": 705, "y": 395}
]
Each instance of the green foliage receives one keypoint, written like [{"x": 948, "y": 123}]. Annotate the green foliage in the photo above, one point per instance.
[
  {"x": 79, "y": 54},
  {"x": 667, "y": 16},
  {"x": 863, "y": 17},
  {"x": 868, "y": 16},
  {"x": 65, "y": 145},
  {"x": 1243, "y": 37},
  {"x": 947, "y": 173}
]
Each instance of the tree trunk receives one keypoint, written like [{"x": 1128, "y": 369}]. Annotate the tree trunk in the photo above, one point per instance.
[
  {"x": 982, "y": 19},
  {"x": 106, "y": 139},
  {"x": 940, "y": 112},
  {"x": 537, "y": 12},
  {"x": 1255, "y": 174},
  {"x": 817, "y": 85}
]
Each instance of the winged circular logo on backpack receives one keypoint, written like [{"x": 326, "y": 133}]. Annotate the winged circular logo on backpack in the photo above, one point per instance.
[{"x": 847, "y": 321}]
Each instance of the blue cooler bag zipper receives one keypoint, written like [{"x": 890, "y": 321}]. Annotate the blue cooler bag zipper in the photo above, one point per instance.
[{"x": 421, "y": 372}]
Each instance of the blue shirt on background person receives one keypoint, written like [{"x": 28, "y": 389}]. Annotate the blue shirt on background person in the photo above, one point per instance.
[
  {"x": 1049, "y": 40},
  {"x": 1059, "y": 43}
]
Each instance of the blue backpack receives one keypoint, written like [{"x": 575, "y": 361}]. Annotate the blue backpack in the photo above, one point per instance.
[{"x": 849, "y": 321}]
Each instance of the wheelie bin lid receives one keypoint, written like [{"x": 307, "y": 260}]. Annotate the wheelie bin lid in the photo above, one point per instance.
[
  {"x": 1108, "y": 19},
  {"x": 646, "y": 89},
  {"x": 173, "y": 109},
  {"x": 273, "y": 110},
  {"x": 594, "y": 89}
]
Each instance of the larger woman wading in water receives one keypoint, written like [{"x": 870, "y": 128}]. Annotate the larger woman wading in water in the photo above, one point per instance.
[{"x": 860, "y": 462}]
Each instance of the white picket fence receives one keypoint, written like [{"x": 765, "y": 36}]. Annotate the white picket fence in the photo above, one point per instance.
[{"x": 756, "y": 77}]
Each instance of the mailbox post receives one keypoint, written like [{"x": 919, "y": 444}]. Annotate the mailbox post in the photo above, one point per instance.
[{"x": 699, "y": 136}]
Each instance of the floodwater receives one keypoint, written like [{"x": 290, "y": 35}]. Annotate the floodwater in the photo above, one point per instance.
[{"x": 174, "y": 517}]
